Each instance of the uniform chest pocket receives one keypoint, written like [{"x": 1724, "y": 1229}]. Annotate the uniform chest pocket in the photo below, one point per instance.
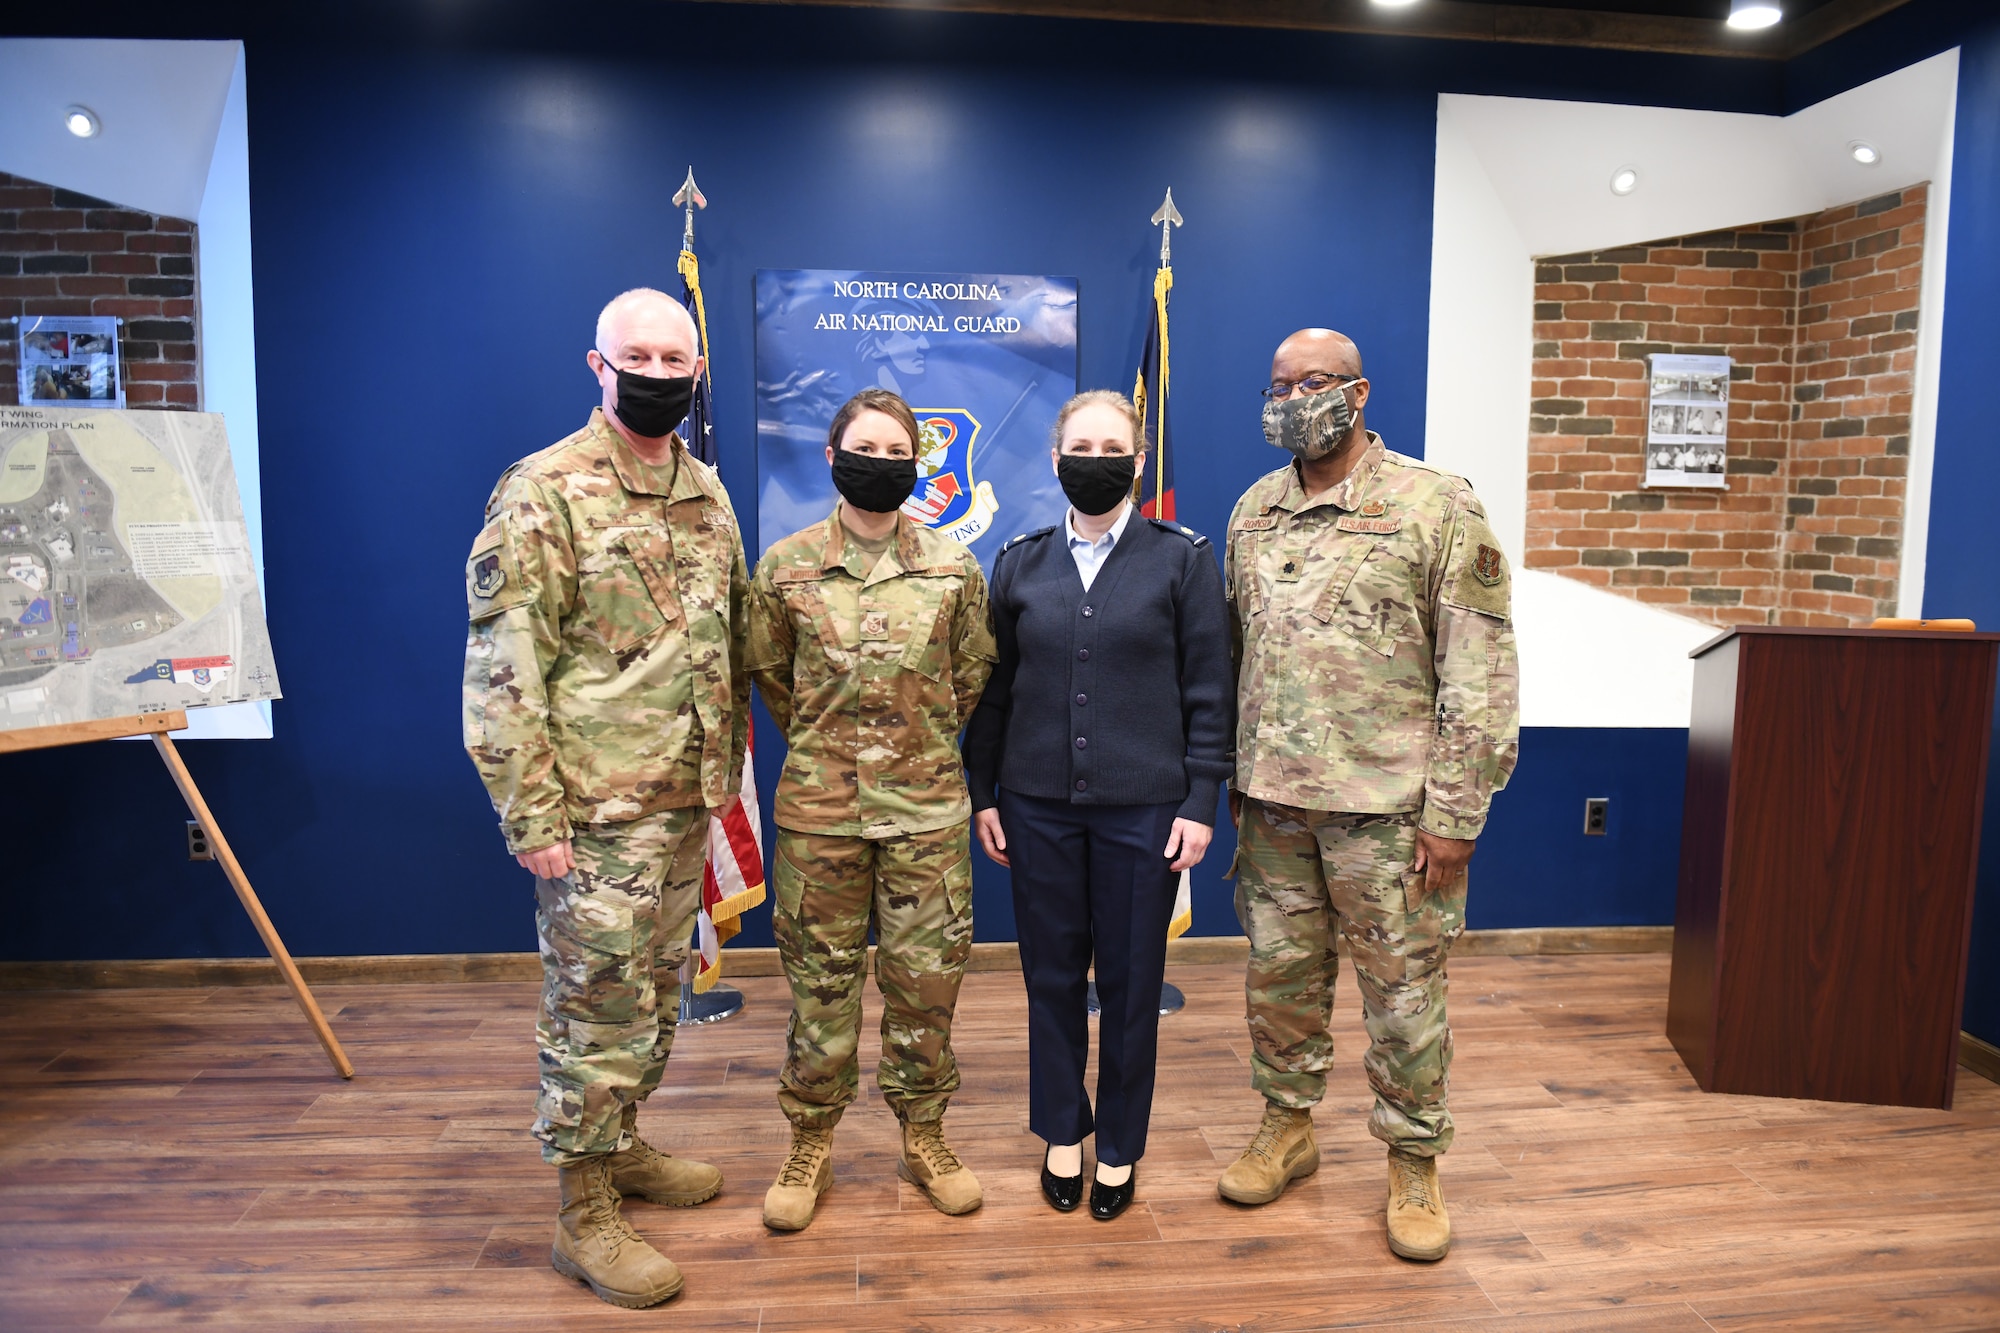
[
  {"x": 702, "y": 554},
  {"x": 926, "y": 649},
  {"x": 1372, "y": 597},
  {"x": 1252, "y": 535},
  {"x": 623, "y": 598},
  {"x": 813, "y": 622}
]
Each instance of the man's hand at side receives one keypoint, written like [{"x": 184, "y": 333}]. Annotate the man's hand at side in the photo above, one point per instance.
[
  {"x": 551, "y": 862},
  {"x": 1441, "y": 860}
]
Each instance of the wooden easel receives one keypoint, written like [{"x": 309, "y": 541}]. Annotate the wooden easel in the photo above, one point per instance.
[{"x": 157, "y": 725}]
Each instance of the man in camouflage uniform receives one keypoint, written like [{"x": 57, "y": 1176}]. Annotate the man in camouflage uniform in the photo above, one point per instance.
[
  {"x": 606, "y": 709},
  {"x": 1378, "y": 713},
  {"x": 871, "y": 639}
]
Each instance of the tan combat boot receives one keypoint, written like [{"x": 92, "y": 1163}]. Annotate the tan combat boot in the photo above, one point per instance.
[
  {"x": 1419, "y": 1227},
  {"x": 1282, "y": 1151},
  {"x": 806, "y": 1174},
  {"x": 930, "y": 1164},
  {"x": 595, "y": 1246},
  {"x": 656, "y": 1177}
]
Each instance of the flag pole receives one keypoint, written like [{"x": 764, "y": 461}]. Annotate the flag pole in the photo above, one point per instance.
[
  {"x": 1166, "y": 217},
  {"x": 718, "y": 1001}
]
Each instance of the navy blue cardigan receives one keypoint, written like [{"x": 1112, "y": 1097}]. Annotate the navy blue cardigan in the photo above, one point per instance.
[{"x": 1123, "y": 695}]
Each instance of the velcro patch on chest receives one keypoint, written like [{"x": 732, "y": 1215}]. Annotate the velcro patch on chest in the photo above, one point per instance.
[
  {"x": 875, "y": 625},
  {"x": 1378, "y": 526},
  {"x": 715, "y": 516}
]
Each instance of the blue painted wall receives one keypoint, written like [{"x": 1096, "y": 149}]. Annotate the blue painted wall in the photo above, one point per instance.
[
  {"x": 1962, "y": 576},
  {"x": 440, "y": 209}
]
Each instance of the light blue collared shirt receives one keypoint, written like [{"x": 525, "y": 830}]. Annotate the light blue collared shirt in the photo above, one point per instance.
[{"x": 1090, "y": 556}]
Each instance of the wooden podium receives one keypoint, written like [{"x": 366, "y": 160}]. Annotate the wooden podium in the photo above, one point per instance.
[{"x": 1828, "y": 850}]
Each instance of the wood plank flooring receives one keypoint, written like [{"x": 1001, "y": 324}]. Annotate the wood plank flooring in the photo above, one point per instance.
[{"x": 174, "y": 1157}]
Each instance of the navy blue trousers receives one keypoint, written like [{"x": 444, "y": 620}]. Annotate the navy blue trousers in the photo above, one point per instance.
[{"x": 1091, "y": 882}]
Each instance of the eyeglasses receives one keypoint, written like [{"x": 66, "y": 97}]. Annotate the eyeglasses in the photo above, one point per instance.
[{"x": 1315, "y": 383}]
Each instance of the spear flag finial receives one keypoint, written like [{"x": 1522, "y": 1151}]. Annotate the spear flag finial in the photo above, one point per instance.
[
  {"x": 690, "y": 197},
  {"x": 1166, "y": 218}
]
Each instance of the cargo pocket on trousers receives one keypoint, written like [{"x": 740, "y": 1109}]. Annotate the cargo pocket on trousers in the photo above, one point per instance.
[
  {"x": 586, "y": 942},
  {"x": 958, "y": 914},
  {"x": 788, "y": 891}
]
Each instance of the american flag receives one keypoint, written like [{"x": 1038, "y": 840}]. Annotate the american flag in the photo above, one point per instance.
[{"x": 733, "y": 881}]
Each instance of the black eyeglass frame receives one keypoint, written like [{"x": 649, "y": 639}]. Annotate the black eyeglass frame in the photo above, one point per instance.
[{"x": 1275, "y": 392}]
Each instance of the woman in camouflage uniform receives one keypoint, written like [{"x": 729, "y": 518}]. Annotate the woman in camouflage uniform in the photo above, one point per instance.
[{"x": 870, "y": 639}]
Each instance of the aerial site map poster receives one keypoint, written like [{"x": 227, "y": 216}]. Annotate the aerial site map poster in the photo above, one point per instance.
[
  {"x": 126, "y": 582},
  {"x": 984, "y": 359}
]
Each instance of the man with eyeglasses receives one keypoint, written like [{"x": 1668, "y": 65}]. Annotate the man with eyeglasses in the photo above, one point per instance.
[
  {"x": 606, "y": 708},
  {"x": 1378, "y": 711}
]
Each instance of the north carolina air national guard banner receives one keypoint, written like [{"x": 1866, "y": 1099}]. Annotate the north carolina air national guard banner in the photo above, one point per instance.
[{"x": 985, "y": 359}]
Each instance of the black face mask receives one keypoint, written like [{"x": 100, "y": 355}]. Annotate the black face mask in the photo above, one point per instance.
[
  {"x": 653, "y": 407},
  {"x": 875, "y": 485},
  {"x": 1095, "y": 483}
]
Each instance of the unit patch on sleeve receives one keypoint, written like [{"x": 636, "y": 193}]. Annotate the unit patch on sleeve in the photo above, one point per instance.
[
  {"x": 492, "y": 583},
  {"x": 1479, "y": 581}
]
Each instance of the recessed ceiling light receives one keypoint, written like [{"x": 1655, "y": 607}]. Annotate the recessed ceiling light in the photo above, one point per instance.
[
  {"x": 81, "y": 121},
  {"x": 1624, "y": 180},
  {"x": 1754, "y": 13},
  {"x": 1394, "y": 4},
  {"x": 1867, "y": 154}
]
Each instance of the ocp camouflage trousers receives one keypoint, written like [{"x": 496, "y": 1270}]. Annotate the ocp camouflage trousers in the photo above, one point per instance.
[
  {"x": 917, "y": 890},
  {"x": 613, "y": 937},
  {"x": 1306, "y": 879}
]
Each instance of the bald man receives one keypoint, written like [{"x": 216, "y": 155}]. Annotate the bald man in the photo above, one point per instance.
[
  {"x": 1377, "y": 714},
  {"x": 606, "y": 706}
]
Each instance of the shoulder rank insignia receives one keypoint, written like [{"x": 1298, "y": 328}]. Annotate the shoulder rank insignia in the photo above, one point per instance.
[
  {"x": 1012, "y": 542},
  {"x": 1179, "y": 530},
  {"x": 1486, "y": 565},
  {"x": 488, "y": 576}
]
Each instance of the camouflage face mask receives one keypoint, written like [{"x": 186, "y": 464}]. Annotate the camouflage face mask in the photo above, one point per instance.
[{"x": 1310, "y": 426}]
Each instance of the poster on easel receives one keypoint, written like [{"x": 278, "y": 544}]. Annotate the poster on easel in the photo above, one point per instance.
[
  {"x": 1687, "y": 422},
  {"x": 127, "y": 584},
  {"x": 69, "y": 361}
]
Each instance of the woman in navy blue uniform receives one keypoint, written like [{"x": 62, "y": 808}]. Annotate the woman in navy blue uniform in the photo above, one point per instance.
[{"x": 1097, "y": 755}]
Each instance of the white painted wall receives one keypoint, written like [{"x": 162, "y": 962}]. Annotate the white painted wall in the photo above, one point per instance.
[
  {"x": 175, "y": 140},
  {"x": 1482, "y": 311},
  {"x": 1520, "y": 177},
  {"x": 229, "y": 355},
  {"x": 1930, "y": 349},
  {"x": 160, "y": 103}
]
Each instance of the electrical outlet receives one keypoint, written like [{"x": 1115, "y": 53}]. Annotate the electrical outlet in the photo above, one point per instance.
[
  {"x": 198, "y": 848},
  {"x": 1596, "y": 810}
]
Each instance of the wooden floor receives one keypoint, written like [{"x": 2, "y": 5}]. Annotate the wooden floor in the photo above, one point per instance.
[{"x": 185, "y": 1157}]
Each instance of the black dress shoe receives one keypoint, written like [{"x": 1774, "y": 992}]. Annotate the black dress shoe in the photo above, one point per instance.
[
  {"x": 1107, "y": 1201},
  {"x": 1064, "y": 1193}
]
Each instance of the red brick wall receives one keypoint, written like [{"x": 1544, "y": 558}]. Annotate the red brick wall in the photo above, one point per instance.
[
  {"x": 1850, "y": 446},
  {"x": 1819, "y": 315},
  {"x": 63, "y": 253}
]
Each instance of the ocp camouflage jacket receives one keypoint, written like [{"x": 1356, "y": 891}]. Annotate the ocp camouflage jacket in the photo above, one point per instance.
[
  {"x": 871, "y": 665},
  {"x": 604, "y": 675},
  {"x": 1375, "y": 647}
]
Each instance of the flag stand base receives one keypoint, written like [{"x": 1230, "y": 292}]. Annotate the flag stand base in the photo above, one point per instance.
[
  {"x": 710, "y": 1006},
  {"x": 1171, "y": 999}
]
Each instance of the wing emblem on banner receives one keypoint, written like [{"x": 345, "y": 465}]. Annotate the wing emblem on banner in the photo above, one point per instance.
[{"x": 947, "y": 498}]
